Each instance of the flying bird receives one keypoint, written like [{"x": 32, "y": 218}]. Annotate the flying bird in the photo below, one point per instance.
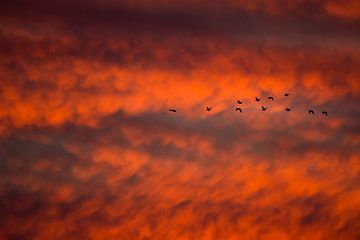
[
  {"x": 270, "y": 98},
  {"x": 239, "y": 102},
  {"x": 172, "y": 110},
  {"x": 311, "y": 112},
  {"x": 208, "y": 109},
  {"x": 263, "y": 108},
  {"x": 238, "y": 109},
  {"x": 286, "y": 94},
  {"x": 257, "y": 99},
  {"x": 287, "y": 109},
  {"x": 324, "y": 113}
]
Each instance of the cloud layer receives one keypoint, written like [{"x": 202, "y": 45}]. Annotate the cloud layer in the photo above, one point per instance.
[{"x": 90, "y": 151}]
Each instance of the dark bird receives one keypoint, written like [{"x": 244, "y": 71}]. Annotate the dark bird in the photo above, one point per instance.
[
  {"x": 286, "y": 94},
  {"x": 172, "y": 110},
  {"x": 324, "y": 113},
  {"x": 238, "y": 109},
  {"x": 257, "y": 99},
  {"x": 208, "y": 109},
  {"x": 270, "y": 98},
  {"x": 239, "y": 102},
  {"x": 287, "y": 109},
  {"x": 263, "y": 108},
  {"x": 311, "y": 112}
]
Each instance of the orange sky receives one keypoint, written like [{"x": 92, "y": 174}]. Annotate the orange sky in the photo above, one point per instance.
[{"x": 89, "y": 150}]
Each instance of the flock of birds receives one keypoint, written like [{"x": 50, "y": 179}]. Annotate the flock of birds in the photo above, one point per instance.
[{"x": 310, "y": 111}]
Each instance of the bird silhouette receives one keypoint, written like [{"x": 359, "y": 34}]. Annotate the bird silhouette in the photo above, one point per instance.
[
  {"x": 172, "y": 110},
  {"x": 287, "y": 109},
  {"x": 239, "y": 102},
  {"x": 257, "y": 99},
  {"x": 286, "y": 94},
  {"x": 208, "y": 109},
  {"x": 238, "y": 109},
  {"x": 263, "y": 108},
  {"x": 270, "y": 98},
  {"x": 324, "y": 113},
  {"x": 311, "y": 112}
]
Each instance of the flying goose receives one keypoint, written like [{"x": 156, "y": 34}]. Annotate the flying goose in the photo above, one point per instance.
[
  {"x": 257, "y": 99},
  {"x": 270, "y": 98},
  {"x": 208, "y": 109},
  {"x": 263, "y": 108},
  {"x": 311, "y": 112},
  {"x": 238, "y": 109},
  {"x": 324, "y": 113},
  {"x": 172, "y": 110}
]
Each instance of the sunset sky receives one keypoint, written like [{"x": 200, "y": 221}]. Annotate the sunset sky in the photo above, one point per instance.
[{"x": 89, "y": 150}]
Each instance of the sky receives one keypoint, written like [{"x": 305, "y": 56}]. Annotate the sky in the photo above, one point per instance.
[{"x": 89, "y": 150}]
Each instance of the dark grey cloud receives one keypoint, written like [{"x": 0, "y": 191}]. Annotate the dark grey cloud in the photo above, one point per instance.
[{"x": 205, "y": 21}]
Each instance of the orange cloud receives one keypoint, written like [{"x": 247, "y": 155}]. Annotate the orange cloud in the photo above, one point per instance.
[
  {"x": 343, "y": 9},
  {"x": 89, "y": 149}
]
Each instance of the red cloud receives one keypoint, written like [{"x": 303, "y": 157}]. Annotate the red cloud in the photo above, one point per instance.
[{"x": 90, "y": 151}]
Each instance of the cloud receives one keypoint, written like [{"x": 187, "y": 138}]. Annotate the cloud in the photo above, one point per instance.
[
  {"x": 347, "y": 10},
  {"x": 90, "y": 151},
  {"x": 133, "y": 171},
  {"x": 60, "y": 87}
]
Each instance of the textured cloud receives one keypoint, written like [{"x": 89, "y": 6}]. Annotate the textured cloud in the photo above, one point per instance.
[{"x": 90, "y": 151}]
